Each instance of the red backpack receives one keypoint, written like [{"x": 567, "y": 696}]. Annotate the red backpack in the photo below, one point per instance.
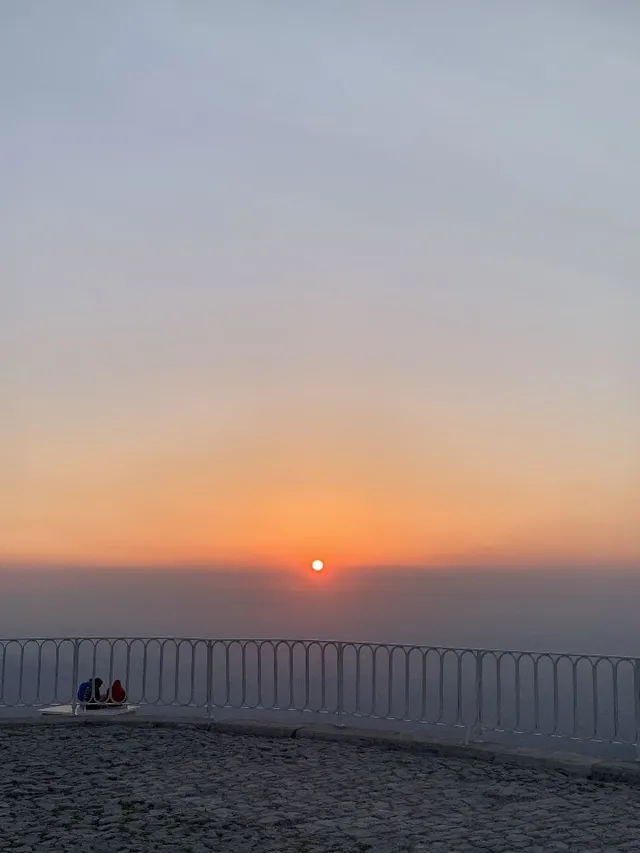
[{"x": 117, "y": 692}]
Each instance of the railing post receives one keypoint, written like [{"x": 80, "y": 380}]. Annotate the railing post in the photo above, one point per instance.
[
  {"x": 74, "y": 675},
  {"x": 340, "y": 674},
  {"x": 474, "y": 732},
  {"x": 209, "y": 679},
  {"x": 636, "y": 696}
]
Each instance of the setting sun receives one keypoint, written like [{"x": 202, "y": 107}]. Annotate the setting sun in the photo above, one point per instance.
[{"x": 317, "y": 565}]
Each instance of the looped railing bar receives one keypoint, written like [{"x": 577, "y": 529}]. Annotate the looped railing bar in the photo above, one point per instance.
[{"x": 589, "y": 698}]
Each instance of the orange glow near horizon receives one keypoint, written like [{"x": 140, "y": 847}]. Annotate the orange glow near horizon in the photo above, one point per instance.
[
  {"x": 178, "y": 517},
  {"x": 276, "y": 496}
]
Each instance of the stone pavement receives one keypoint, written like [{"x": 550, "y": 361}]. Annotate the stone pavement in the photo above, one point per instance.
[{"x": 111, "y": 789}]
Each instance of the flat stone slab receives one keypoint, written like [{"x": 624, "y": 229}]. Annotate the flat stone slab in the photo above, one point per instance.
[
  {"x": 258, "y": 728},
  {"x": 564, "y": 762},
  {"x": 617, "y": 771},
  {"x": 108, "y": 711},
  {"x": 128, "y": 787}
]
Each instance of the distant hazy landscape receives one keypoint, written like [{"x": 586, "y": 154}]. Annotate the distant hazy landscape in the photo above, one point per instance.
[{"x": 588, "y": 610}]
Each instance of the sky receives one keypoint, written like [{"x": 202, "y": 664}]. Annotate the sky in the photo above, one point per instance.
[{"x": 356, "y": 281}]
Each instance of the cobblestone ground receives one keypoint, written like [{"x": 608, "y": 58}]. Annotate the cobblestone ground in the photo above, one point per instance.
[{"x": 111, "y": 790}]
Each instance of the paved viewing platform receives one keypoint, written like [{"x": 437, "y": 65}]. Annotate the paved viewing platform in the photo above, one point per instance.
[{"x": 191, "y": 788}]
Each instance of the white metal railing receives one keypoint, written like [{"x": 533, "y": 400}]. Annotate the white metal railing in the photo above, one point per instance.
[{"x": 585, "y": 698}]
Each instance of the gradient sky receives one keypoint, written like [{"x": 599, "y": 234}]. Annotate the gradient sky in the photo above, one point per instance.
[{"x": 349, "y": 279}]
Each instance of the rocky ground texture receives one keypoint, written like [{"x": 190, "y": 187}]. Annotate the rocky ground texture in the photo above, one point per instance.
[{"x": 111, "y": 789}]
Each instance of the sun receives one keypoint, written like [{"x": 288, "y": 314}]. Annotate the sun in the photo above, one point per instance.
[{"x": 317, "y": 565}]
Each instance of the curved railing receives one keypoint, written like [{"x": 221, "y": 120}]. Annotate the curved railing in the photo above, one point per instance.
[{"x": 581, "y": 697}]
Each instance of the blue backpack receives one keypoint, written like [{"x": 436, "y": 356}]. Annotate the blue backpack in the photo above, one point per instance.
[{"x": 84, "y": 691}]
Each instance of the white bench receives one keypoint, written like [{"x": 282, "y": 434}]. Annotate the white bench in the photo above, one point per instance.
[{"x": 81, "y": 710}]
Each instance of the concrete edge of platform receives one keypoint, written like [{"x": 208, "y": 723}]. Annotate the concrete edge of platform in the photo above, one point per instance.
[{"x": 584, "y": 766}]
